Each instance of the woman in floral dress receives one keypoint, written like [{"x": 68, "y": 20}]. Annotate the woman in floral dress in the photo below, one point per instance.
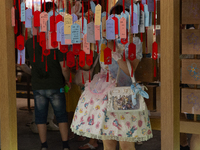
[{"x": 91, "y": 118}]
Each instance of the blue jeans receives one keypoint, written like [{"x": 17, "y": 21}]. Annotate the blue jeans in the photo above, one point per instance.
[{"x": 57, "y": 99}]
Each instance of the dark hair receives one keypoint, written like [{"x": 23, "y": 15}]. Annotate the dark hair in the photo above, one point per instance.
[
  {"x": 49, "y": 6},
  {"x": 117, "y": 10}
]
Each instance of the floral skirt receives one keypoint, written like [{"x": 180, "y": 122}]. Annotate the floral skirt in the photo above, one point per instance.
[{"x": 92, "y": 120}]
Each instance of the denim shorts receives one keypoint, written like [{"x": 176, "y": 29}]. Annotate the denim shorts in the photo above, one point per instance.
[{"x": 57, "y": 99}]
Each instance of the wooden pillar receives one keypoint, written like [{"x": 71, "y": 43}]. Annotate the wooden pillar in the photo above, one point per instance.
[
  {"x": 170, "y": 74},
  {"x": 8, "y": 111}
]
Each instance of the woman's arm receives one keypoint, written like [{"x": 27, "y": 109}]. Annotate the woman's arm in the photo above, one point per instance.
[{"x": 86, "y": 67}]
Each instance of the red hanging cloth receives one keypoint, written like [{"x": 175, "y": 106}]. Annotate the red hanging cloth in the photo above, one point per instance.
[
  {"x": 33, "y": 7},
  {"x": 82, "y": 15},
  {"x": 88, "y": 11},
  {"x": 107, "y": 10},
  {"x": 69, "y": 8}
]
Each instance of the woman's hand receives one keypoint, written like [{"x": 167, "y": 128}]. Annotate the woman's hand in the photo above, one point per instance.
[{"x": 68, "y": 84}]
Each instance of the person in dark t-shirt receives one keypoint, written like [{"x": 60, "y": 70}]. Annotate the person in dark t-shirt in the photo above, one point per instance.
[{"x": 48, "y": 86}]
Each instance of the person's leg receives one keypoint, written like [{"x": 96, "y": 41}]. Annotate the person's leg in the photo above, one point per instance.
[
  {"x": 58, "y": 103},
  {"x": 50, "y": 116},
  {"x": 127, "y": 145},
  {"x": 195, "y": 142},
  {"x": 64, "y": 131},
  {"x": 183, "y": 139},
  {"x": 41, "y": 110},
  {"x": 50, "y": 124},
  {"x": 109, "y": 144},
  {"x": 42, "y": 129}
]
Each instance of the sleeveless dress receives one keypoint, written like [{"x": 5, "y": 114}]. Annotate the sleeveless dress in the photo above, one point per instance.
[{"x": 91, "y": 118}]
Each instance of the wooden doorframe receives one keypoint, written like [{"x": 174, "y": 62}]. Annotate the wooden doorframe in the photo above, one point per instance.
[
  {"x": 170, "y": 74},
  {"x": 8, "y": 112}
]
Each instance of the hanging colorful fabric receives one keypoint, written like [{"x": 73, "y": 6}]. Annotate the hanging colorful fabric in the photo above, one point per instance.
[
  {"x": 98, "y": 15},
  {"x": 83, "y": 78},
  {"x": 76, "y": 48},
  {"x": 155, "y": 55},
  {"x": 16, "y": 27},
  {"x": 63, "y": 48},
  {"x": 20, "y": 47},
  {"x": 75, "y": 34},
  {"x": 19, "y": 9},
  {"x": 45, "y": 52},
  {"x": 33, "y": 7},
  {"x": 88, "y": 11},
  {"x": 37, "y": 18},
  {"x": 26, "y": 34},
  {"x": 155, "y": 45},
  {"x": 59, "y": 18},
  {"x": 116, "y": 25},
  {"x": 89, "y": 58},
  {"x": 70, "y": 59},
  {"x": 52, "y": 23},
  {"x": 123, "y": 28},
  {"x": 103, "y": 47},
  {"x": 21, "y": 57},
  {"x": 90, "y": 33},
  {"x": 23, "y": 9},
  {"x": 107, "y": 56},
  {"x": 110, "y": 28},
  {"x": 132, "y": 52},
  {"x": 20, "y": 42},
  {"x": 97, "y": 45},
  {"x": 42, "y": 38},
  {"x": 13, "y": 16},
  {"x": 141, "y": 25},
  {"x": 67, "y": 24},
  {"x": 81, "y": 58},
  {"x": 54, "y": 42},
  {"x": 132, "y": 12},
  {"x": 43, "y": 21},
  {"x": 107, "y": 10},
  {"x": 86, "y": 45},
  {"x": 82, "y": 15},
  {"x": 69, "y": 7}
]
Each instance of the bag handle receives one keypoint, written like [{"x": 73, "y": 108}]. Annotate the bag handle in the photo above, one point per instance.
[
  {"x": 95, "y": 63},
  {"x": 129, "y": 69}
]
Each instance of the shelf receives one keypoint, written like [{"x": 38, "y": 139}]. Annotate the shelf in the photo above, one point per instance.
[{"x": 188, "y": 126}]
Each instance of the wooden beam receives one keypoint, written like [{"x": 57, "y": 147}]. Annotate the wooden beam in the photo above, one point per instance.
[
  {"x": 8, "y": 112},
  {"x": 189, "y": 126},
  {"x": 155, "y": 123},
  {"x": 170, "y": 74}
]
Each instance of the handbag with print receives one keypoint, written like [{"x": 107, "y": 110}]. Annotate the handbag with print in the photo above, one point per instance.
[{"x": 127, "y": 99}]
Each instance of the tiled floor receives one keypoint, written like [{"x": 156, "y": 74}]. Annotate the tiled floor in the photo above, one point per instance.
[{"x": 30, "y": 141}]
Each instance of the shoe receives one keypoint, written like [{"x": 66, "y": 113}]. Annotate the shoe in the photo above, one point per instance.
[
  {"x": 90, "y": 147},
  {"x": 33, "y": 127},
  {"x": 66, "y": 149},
  {"x": 43, "y": 148},
  {"x": 139, "y": 143},
  {"x": 51, "y": 126},
  {"x": 185, "y": 148}
]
